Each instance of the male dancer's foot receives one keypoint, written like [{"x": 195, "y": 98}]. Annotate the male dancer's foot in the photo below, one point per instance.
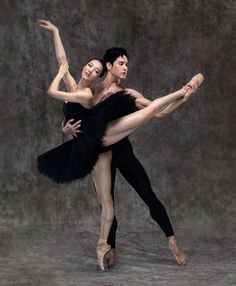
[{"x": 177, "y": 251}]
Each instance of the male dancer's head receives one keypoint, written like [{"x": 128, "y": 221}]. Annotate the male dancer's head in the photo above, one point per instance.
[{"x": 116, "y": 60}]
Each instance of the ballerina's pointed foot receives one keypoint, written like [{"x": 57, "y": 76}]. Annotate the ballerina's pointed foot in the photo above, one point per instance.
[
  {"x": 102, "y": 250},
  {"x": 194, "y": 83},
  {"x": 178, "y": 253},
  {"x": 191, "y": 87}
]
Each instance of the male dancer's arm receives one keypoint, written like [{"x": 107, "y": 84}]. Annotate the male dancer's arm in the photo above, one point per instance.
[
  {"x": 71, "y": 128},
  {"x": 142, "y": 102}
]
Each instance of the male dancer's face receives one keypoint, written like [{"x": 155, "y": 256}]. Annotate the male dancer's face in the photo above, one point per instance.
[{"x": 119, "y": 68}]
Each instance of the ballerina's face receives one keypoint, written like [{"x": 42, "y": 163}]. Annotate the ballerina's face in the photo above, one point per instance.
[
  {"x": 119, "y": 68},
  {"x": 92, "y": 70}
]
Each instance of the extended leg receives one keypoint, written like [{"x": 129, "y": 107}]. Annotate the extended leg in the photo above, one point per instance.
[
  {"x": 134, "y": 173},
  {"x": 122, "y": 127}
]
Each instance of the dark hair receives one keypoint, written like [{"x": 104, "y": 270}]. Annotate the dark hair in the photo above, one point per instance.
[
  {"x": 113, "y": 53},
  {"x": 102, "y": 63}
]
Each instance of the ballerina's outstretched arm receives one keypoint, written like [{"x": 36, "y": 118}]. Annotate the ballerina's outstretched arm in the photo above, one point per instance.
[{"x": 68, "y": 79}]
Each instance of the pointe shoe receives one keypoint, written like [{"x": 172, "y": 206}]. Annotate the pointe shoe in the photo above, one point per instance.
[
  {"x": 195, "y": 82},
  {"x": 110, "y": 258},
  {"x": 192, "y": 86},
  {"x": 102, "y": 250}
]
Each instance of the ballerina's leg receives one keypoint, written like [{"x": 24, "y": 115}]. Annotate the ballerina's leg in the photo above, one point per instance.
[
  {"x": 102, "y": 180},
  {"x": 120, "y": 128}
]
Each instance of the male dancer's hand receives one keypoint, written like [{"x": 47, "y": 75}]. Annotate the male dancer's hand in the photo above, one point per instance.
[{"x": 72, "y": 129}]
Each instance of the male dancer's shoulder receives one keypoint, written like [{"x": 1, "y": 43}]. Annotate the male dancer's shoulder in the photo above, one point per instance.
[
  {"x": 140, "y": 101},
  {"x": 134, "y": 92}
]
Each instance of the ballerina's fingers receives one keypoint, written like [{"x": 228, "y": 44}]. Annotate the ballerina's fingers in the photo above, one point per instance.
[
  {"x": 45, "y": 24},
  {"x": 42, "y": 22}
]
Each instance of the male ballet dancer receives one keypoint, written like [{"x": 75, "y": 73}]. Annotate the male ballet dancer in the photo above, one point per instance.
[{"x": 123, "y": 157}]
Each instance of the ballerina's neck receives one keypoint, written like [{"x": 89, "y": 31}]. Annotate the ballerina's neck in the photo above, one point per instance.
[{"x": 83, "y": 83}]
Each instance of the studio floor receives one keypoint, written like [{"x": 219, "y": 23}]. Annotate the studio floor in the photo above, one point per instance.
[{"x": 64, "y": 256}]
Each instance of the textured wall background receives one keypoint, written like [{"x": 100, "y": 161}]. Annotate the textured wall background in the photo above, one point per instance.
[{"x": 189, "y": 156}]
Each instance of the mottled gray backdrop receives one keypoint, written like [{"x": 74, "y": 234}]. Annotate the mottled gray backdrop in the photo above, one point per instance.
[{"x": 189, "y": 156}]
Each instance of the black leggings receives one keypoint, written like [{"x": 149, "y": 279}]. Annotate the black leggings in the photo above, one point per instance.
[{"x": 131, "y": 169}]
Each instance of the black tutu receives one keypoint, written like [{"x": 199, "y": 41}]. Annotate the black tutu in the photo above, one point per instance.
[{"x": 76, "y": 158}]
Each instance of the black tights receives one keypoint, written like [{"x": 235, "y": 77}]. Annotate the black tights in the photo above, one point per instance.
[{"x": 131, "y": 169}]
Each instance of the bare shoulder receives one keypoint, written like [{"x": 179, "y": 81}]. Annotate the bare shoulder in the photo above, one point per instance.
[
  {"x": 134, "y": 92},
  {"x": 88, "y": 90}
]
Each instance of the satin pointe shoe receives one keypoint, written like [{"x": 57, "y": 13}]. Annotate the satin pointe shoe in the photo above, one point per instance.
[
  {"x": 195, "y": 82},
  {"x": 102, "y": 250},
  {"x": 192, "y": 86}
]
